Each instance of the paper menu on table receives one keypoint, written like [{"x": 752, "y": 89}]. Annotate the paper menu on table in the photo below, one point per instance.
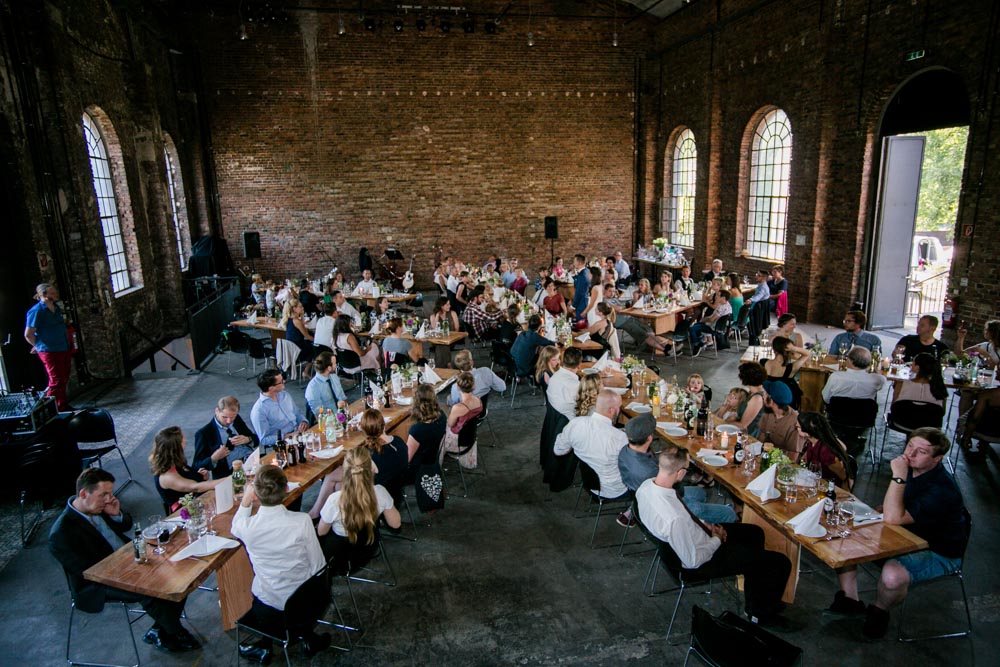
[{"x": 224, "y": 496}]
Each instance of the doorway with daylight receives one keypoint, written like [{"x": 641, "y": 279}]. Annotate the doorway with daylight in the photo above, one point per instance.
[{"x": 923, "y": 137}]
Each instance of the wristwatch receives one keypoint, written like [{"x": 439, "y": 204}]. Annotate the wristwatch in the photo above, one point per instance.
[{"x": 899, "y": 480}]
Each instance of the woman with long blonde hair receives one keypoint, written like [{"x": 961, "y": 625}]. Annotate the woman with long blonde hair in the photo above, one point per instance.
[
  {"x": 293, "y": 318},
  {"x": 388, "y": 452},
  {"x": 353, "y": 511},
  {"x": 549, "y": 359},
  {"x": 586, "y": 395}
]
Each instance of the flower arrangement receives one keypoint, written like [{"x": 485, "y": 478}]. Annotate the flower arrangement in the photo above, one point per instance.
[
  {"x": 191, "y": 507},
  {"x": 773, "y": 456},
  {"x": 631, "y": 363},
  {"x": 660, "y": 243},
  {"x": 412, "y": 323}
]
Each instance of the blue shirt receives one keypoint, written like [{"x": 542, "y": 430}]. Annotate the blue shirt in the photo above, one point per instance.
[
  {"x": 861, "y": 339},
  {"x": 581, "y": 293},
  {"x": 324, "y": 392},
  {"x": 268, "y": 417},
  {"x": 50, "y": 328},
  {"x": 508, "y": 278},
  {"x": 622, "y": 269},
  {"x": 525, "y": 346},
  {"x": 762, "y": 293},
  {"x": 486, "y": 381}
]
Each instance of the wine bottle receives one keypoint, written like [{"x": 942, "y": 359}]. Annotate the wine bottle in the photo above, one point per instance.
[
  {"x": 830, "y": 504},
  {"x": 138, "y": 546}
]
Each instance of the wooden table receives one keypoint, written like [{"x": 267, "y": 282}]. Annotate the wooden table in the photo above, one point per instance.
[
  {"x": 443, "y": 345},
  {"x": 268, "y": 324},
  {"x": 370, "y": 301},
  {"x": 163, "y": 579},
  {"x": 867, "y": 543},
  {"x": 655, "y": 265},
  {"x": 661, "y": 322}
]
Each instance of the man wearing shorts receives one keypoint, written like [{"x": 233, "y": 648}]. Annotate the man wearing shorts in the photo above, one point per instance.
[{"x": 924, "y": 497}]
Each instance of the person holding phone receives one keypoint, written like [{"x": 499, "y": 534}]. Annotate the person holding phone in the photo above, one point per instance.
[{"x": 223, "y": 440}]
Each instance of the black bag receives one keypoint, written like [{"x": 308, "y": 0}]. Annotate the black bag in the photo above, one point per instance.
[{"x": 429, "y": 487}]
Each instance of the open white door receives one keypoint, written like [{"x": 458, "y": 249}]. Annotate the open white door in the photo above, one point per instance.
[{"x": 899, "y": 190}]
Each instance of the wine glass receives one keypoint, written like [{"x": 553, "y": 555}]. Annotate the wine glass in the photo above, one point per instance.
[
  {"x": 845, "y": 515},
  {"x": 209, "y": 512},
  {"x": 844, "y": 347},
  {"x": 162, "y": 537}
]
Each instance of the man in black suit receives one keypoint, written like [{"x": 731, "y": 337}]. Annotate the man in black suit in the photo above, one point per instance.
[
  {"x": 715, "y": 272},
  {"x": 91, "y": 528},
  {"x": 223, "y": 440}
]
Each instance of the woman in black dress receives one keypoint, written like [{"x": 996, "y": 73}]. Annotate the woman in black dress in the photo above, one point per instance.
[{"x": 172, "y": 476}]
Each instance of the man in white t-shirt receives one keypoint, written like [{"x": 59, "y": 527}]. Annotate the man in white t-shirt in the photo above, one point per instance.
[
  {"x": 595, "y": 441},
  {"x": 564, "y": 384}
]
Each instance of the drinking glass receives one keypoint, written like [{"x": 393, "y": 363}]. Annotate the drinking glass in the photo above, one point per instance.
[
  {"x": 844, "y": 347},
  {"x": 153, "y": 529},
  {"x": 162, "y": 537},
  {"x": 845, "y": 515},
  {"x": 791, "y": 493},
  {"x": 209, "y": 512},
  {"x": 279, "y": 459}
]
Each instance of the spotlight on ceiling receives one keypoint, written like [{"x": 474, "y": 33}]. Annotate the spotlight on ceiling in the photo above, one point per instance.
[
  {"x": 445, "y": 25},
  {"x": 490, "y": 27},
  {"x": 531, "y": 39},
  {"x": 369, "y": 24},
  {"x": 242, "y": 34},
  {"x": 469, "y": 26},
  {"x": 341, "y": 30},
  {"x": 397, "y": 25},
  {"x": 421, "y": 24}
]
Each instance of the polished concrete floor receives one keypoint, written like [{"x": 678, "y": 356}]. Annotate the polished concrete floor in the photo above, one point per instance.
[{"x": 504, "y": 576}]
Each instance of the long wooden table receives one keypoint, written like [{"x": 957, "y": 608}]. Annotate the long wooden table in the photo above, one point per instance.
[
  {"x": 268, "y": 324},
  {"x": 867, "y": 543},
  {"x": 443, "y": 345},
  {"x": 370, "y": 300},
  {"x": 163, "y": 579},
  {"x": 662, "y": 322}
]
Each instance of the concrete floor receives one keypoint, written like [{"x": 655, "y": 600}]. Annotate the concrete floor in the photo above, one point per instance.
[{"x": 502, "y": 577}]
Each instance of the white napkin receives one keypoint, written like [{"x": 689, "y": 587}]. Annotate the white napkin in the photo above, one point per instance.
[
  {"x": 328, "y": 453},
  {"x": 763, "y": 486},
  {"x": 429, "y": 376},
  {"x": 583, "y": 338},
  {"x": 375, "y": 327},
  {"x": 602, "y": 363},
  {"x": 253, "y": 461},
  {"x": 377, "y": 392},
  {"x": 422, "y": 332},
  {"x": 614, "y": 365},
  {"x": 205, "y": 546},
  {"x": 638, "y": 302},
  {"x": 705, "y": 451},
  {"x": 253, "y": 318},
  {"x": 224, "y": 496},
  {"x": 864, "y": 514},
  {"x": 806, "y": 522},
  {"x": 550, "y": 326},
  {"x": 376, "y": 292},
  {"x": 291, "y": 486}
]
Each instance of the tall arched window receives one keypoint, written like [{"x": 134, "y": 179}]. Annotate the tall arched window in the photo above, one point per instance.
[
  {"x": 175, "y": 191},
  {"x": 119, "y": 238},
  {"x": 767, "y": 191},
  {"x": 680, "y": 201}
]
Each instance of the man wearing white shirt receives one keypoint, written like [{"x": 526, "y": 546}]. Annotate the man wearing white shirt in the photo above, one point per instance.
[
  {"x": 565, "y": 383},
  {"x": 712, "y": 550},
  {"x": 856, "y": 381},
  {"x": 595, "y": 441},
  {"x": 453, "y": 280},
  {"x": 323, "y": 334},
  {"x": 367, "y": 285},
  {"x": 284, "y": 552},
  {"x": 344, "y": 307}
]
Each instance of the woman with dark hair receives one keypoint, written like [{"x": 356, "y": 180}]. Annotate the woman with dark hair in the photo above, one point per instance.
[
  {"x": 781, "y": 369},
  {"x": 293, "y": 318},
  {"x": 344, "y": 338},
  {"x": 822, "y": 447},
  {"x": 786, "y": 328},
  {"x": 735, "y": 293},
  {"x": 172, "y": 476},
  {"x": 750, "y": 410},
  {"x": 602, "y": 330},
  {"x": 381, "y": 310},
  {"x": 428, "y": 424},
  {"x": 926, "y": 383},
  {"x": 443, "y": 312}
]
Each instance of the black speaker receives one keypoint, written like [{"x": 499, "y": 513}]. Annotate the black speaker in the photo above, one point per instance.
[
  {"x": 551, "y": 228},
  {"x": 251, "y": 245}
]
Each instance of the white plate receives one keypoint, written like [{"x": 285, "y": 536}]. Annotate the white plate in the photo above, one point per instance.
[
  {"x": 405, "y": 400},
  {"x": 771, "y": 496},
  {"x": 727, "y": 428},
  {"x": 642, "y": 409},
  {"x": 590, "y": 371},
  {"x": 715, "y": 461},
  {"x": 621, "y": 391},
  {"x": 675, "y": 431},
  {"x": 818, "y": 532},
  {"x": 172, "y": 525},
  {"x": 667, "y": 424}
]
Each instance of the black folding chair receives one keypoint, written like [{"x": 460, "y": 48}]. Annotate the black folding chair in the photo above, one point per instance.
[
  {"x": 96, "y": 425},
  {"x": 906, "y": 416},
  {"x": 853, "y": 419},
  {"x": 727, "y": 640}
]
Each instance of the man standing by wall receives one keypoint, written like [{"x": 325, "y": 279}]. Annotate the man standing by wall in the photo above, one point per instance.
[{"x": 45, "y": 331}]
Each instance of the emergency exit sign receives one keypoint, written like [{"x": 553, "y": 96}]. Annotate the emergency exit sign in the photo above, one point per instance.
[{"x": 915, "y": 55}]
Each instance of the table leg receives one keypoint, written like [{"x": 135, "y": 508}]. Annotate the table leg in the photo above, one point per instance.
[
  {"x": 234, "y": 579},
  {"x": 775, "y": 540},
  {"x": 811, "y": 382},
  {"x": 442, "y": 356}
]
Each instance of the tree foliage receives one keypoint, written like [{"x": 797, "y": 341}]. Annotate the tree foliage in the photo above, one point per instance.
[{"x": 941, "y": 179}]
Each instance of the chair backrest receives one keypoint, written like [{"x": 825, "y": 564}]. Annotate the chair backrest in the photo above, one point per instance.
[
  {"x": 347, "y": 359},
  {"x": 92, "y": 425},
  {"x": 467, "y": 436},
  {"x": 309, "y": 601},
  {"x": 235, "y": 339},
  {"x": 667, "y": 554},
  {"x": 591, "y": 482},
  {"x": 858, "y": 412},
  {"x": 722, "y": 324},
  {"x": 988, "y": 427},
  {"x": 486, "y": 410},
  {"x": 35, "y": 465},
  {"x": 909, "y": 415},
  {"x": 256, "y": 349},
  {"x": 742, "y": 316}
]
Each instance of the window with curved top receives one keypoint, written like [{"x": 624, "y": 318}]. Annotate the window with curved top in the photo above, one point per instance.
[
  {"x": 121, "y": 248},
  {"x": 178, "y": 207},
  {"x": 767, "y": 191},
  {"x": 680, "y": 201}
]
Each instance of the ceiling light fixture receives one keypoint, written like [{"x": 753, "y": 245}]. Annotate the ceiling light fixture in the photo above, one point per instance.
[
  {"x": 490, "y": 27},
  {"x": 369, "y": 24},
  {"x": 421, "y": 24},
  {"x": 531, "y": 35},
  {"x": 397, "y": 25},
  {"x": 469, "y": 25}
]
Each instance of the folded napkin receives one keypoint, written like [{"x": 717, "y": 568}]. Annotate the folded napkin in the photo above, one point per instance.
[
  {"x": 763, "y": 486},
  {"x": 638, "y": 302},
  {"x": 614, "y": 365},
  {"x": 328, "y": 453},
  {"x": 422, "y": 332},
  {"x": 705, "y": 451},
  {"x": 806, "y": 522},
  {"x": 583, "y": 338},
  {"x": 863, "y": 514},
  {"x": 205, "y": 546},
  {"x": 602, "y": 363},
  {"x": 293, "y": 485},
  {"x": 429, "y": 376},
  {"x": 253, "y": 318},
  {"x": 498, "y": 293}
]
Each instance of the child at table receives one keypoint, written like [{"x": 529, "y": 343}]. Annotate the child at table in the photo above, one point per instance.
[
  {"x": 695, "y": 388},
  {"x": 736, "y": 396}
]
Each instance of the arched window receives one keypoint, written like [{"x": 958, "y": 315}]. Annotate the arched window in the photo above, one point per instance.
[
  {"x": 178, "y": 207},
  {"x": 767, "y": 191},
  {"x": 680, "y": 200},
  {"x": 110, "y": 189}
]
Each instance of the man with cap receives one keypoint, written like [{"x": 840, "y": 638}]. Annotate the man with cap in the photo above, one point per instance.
[
  {"x": 637, "y": 463},
  {"x": 779, "y": 423}
]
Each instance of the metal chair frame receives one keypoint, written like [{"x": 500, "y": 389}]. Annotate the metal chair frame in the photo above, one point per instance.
[
  {"x": 126, "y": 610},
  {"x": 96, "y": 417}
]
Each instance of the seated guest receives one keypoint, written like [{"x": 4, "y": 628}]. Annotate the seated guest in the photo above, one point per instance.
[
  {"x": 762, "y": 293},
  {"x": 923, "y": 341},
  {"x": 640, "y": 332},
  {"x": 696, "y": 390},
  {"x": 323, "y": 335},
  {"x": 643, "y": 293},
  {"x": 352, "y": 513},
  {"x": 713, "y": 550},
  {"x": 92, "y": 527},
  {"x": 344, "y": 307},
  {"x": 308, "y": 300},
  {"x": 172, "y": 477},
  {"x": 988, "y": 403},
  {"x": 664, "y": 286},
  {"x": 491, "y": 264},
  {"x": 777, "y": 284},
  {"x": 481, "y": 319},
  {"x": 602, "y": 330},
  {"x": 544, "y": 272},
  {"x": 549, "y": 359},
  {"x": 780, "y": 422},
  {"x": 294, "y": 321},
  {"x": 923, "y": 497},
  {"x": 751, "y": 409},
  {"x": 285, "y": 553},
  {"x": 332, "y": 285},
  {"x": 586, "y": 394},
  {"x": 366, "y": 286},
  {"x": 596, "y": 294},
  {"x": 685, "y": 283},
  {"x": 854, "y": 334},
  {"x": 987, "y": 351},
  {"x": 564, "y": 383},
  {"x": 427, "y": 427},
  {"x": 705, "y": 329},
  {"x": 822, "y": 448},
  {"x": 520, "y": 282},
  {"x": 226, "y": 438},
  {"x": 270, "y": 296},
  {"x": 554, "y": 303},
  {"x": 508, "y": 273},
  {"x": 396, "y": 348},
  {"x": 454, "y": 278},
  {"x": 733, "y": 284},
  {"x": 637, "y": 463},
  {"x": 711, "y": 295},
  {"x": 509, "y": 327},
  {"x": 734, "y": 399},
  {"x": 441, "y": 277},
  {"x": 595, "y": 441},
  {"x": 926, "y": 382},
  {"x": 463, "y": 293},
  {"x": 389, "y": 452},
  {"x": 622, "y": 268},
  {"x": 324, "y": 391},
  {"x": 380, "y": 313},
  {"x": 257, "y": 288},
  {"x": 787, "y": 361},
  {"x": 608, "y": 272},
  {"x": 856, "y": 381},
  {"x": 443, "y": 313},
  {"x": 485, "y": 379},
  {"x": 786, "y": 329},
  {"x": 715, "y": 272},
  {"x": 558, "y": 270},
  {"x": 464, "y": 411},
  {"x": 344, "y": 338},
  {"x": 275, "y": 411}
]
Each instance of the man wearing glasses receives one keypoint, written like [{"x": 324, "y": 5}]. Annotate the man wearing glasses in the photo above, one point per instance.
[
  {"x": 275, "y": 411},
  {"x": 854, "y": 333}
]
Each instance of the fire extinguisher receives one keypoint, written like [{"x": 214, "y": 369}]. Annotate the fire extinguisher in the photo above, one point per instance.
[
  {"x": 71, "y": 339},
  {"x": 948, "y": 313}
]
